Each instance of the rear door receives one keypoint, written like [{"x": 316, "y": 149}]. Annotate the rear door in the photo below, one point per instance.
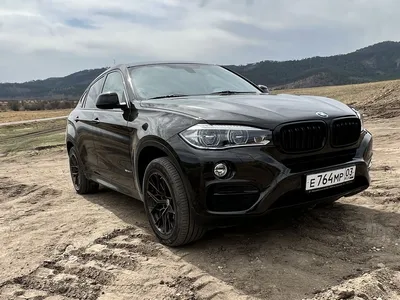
[
  {"x": 86, "y": 128},
  {"x": 113, "y": 143}
]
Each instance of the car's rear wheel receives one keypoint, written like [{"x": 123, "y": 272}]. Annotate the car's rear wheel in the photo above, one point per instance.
[
  {"x": 167, "y": 206},
  {"x": 81, "y": 184}
]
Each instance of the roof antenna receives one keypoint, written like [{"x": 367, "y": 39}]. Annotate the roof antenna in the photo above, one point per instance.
[{"x": 114, "y": 61}]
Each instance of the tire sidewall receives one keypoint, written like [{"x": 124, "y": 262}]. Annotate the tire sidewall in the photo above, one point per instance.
[
  {"x": 73, "y": 152},
  {"x": 181, "y": 205}
]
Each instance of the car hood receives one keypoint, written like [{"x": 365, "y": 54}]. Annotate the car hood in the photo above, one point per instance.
[{"x": 261, "y": 110}]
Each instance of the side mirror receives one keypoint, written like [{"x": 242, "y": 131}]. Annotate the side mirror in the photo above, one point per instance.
[
  {"x": 109, "y": 100},
  {"x": 263, "y": 88}
]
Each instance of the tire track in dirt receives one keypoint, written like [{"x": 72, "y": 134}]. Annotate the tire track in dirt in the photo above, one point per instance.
[
  {"x": 87, "y": 273},
  {"x": 24, "y": 199},
  {"x": 33, "y": 134},
  {"x": 288, "y": 258},
  {"x": 379, "y": 284},
  {"x": 10, "y": 190}
]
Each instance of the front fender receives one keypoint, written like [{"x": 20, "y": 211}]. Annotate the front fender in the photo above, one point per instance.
[
  {"x": 70, "y": 134},
  {"x": 154, "y": 141},
  {"x": 151, "y": 141}
]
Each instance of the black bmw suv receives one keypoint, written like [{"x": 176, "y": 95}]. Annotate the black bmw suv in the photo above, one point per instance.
[{"x": 202, "y": 146}]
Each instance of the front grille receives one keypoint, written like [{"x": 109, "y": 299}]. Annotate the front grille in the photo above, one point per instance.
[
  {"x": 345, "y": 131},
  {"x": 302, "y": 137}
]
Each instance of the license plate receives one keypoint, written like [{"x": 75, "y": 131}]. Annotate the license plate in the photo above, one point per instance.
[{"x": 330, "y": 178}]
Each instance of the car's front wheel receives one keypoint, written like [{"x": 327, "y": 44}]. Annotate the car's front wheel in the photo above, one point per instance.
[
  {"x": 167, "y": 206},
  {"x": 81, "y": 184}
]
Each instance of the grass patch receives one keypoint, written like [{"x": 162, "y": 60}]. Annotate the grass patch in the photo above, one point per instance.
[
  {"x": 40, "y": 135},
  {"x": 14, "y": 116},
  {"x": 376, "y": 99},
  {"x": 37, "y": 143}
]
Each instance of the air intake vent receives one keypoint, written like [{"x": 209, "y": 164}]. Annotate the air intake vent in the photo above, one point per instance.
[
  {"x": 345, "y": 132},
  {"x": 302, "y": 137}
]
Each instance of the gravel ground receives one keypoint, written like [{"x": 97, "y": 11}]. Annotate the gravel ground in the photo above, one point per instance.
[{"x": 59, "y": 245}]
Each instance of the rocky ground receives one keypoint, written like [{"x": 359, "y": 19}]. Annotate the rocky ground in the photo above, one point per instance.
[{"x": 56, "y": 244}]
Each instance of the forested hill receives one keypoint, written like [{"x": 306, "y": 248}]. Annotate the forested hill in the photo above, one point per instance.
[
  {"x": 70, "y": 86},
  {"x": 374, "y": 63}
]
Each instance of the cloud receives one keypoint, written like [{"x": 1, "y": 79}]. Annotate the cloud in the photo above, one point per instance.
[
  {"x": 46, "y": 38},
  {"x": 79, "y": 23}
]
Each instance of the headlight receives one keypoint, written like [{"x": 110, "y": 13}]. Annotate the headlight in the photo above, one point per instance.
[
  {"x": 359, "y": 116},
  {"x": 205, "y": 136}
]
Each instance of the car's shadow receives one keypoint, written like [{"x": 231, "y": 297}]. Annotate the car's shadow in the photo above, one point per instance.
[{"x": 289, "y": 254}]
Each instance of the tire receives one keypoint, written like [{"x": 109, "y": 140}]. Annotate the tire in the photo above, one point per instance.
[
  {"x": 183, "y": 229},
  {"x": 82, "y": 185}
]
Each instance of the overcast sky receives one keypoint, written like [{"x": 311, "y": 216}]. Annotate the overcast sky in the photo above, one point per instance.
[{"x": 45, "y": 38}]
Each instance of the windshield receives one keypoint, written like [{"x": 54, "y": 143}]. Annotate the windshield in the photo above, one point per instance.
[{"x": 172, "y": 80}]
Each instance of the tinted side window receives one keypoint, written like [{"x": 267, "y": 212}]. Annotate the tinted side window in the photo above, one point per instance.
[
  {"x": 114, "y": 83},
  {"x": 93, "y": 93}
]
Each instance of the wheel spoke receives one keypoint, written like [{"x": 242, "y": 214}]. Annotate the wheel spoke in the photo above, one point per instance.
[
  {"x": 156, "y": 199},
  {"x": 161, "y": 215},
  {"x": 158, "y": 220},
  {"x": 154, "y": 187},
  {"x": 165, "y": 222},
  {"x": 169, "y": 220},
  {"x": 171, "y": 210},
  {"x": 153, "y": 209},
  {"x": 157, "y": 184},
  {"x": 163, "y": 188}
]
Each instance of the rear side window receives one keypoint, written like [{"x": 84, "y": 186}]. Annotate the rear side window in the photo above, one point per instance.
[
  {"x": 82, "y": 99},
  {"x": 93, "y": 93}
]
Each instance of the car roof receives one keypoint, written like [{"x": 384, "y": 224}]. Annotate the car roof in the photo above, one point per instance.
[{"x": 128, "y": 65}]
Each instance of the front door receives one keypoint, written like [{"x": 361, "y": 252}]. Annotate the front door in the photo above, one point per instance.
[{"x": 113, "y": 142}]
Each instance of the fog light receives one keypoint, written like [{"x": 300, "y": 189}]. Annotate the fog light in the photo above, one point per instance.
[{"x": 220, "y": 170}]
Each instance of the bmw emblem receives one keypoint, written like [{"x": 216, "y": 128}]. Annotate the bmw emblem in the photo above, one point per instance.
[{"x": 321, "y": 114}]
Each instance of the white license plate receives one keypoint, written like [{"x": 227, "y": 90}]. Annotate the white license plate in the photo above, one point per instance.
[{"x": 330, "y": 178}]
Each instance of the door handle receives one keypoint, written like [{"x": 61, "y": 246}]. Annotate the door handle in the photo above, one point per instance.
[{"x": 96, "y": 120}]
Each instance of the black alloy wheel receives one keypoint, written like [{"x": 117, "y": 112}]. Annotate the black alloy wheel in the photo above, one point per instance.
[
  {"x": 166, "y": 203},
  {"x": 161, "y": 203},
  {"x": 74, "y": 170},
  {"x": 81, "y": 184}
]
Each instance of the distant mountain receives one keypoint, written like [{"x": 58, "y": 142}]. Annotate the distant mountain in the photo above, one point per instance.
[
  {"x": 374, "y": 63},
  {"x": 70, "y": 86}
]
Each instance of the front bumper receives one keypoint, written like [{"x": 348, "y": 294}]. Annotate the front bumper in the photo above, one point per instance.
[{"x": 264, "y": 180}]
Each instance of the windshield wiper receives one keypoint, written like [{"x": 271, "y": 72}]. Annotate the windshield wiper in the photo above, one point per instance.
[
  {"x": 230, "y": 93},
  {"x": 170, "y": 96},
  {"x": 215, "y": 93}
]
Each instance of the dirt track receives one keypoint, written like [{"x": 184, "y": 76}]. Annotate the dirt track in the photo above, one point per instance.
[{"x": 58, "y": 245}]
